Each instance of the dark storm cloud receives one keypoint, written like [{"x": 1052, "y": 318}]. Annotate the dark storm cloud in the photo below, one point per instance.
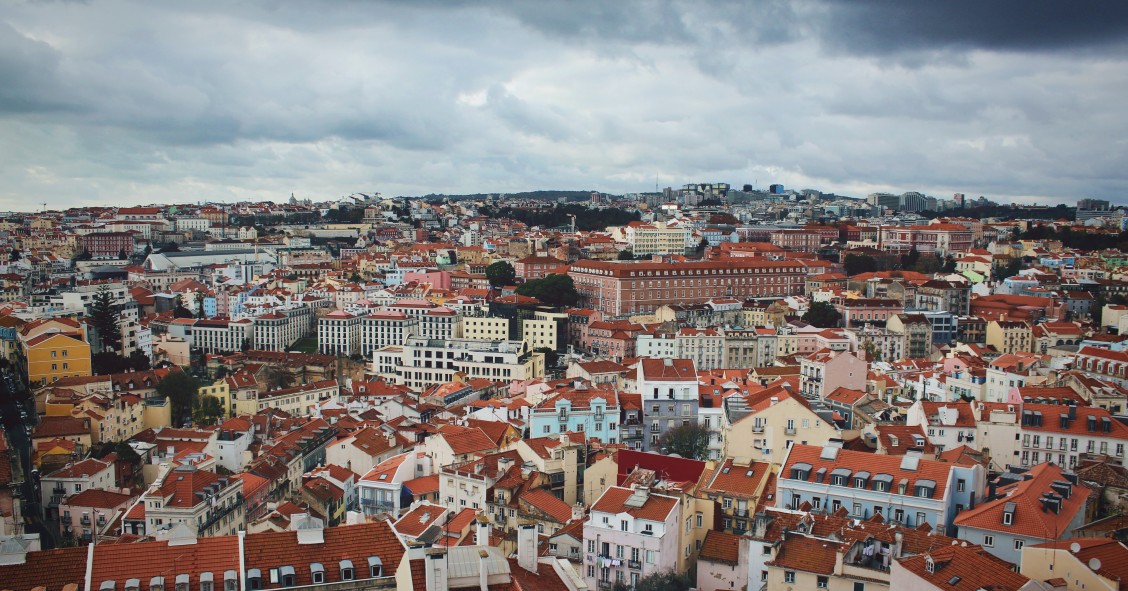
[{"x": 877, "y": 27}]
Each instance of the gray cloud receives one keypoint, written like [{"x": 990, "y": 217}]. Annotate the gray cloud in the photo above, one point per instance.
[{"x": 120, "y": 100}]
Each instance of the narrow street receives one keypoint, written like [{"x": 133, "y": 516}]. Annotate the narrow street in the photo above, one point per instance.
[{"x": 13, "y": 398}]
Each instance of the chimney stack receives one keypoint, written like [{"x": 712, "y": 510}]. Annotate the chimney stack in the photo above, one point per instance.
[
  {"x": 482, "y": 536},
  {"x": 435, "y": 563},
  {"x": 527, "y": 546}
]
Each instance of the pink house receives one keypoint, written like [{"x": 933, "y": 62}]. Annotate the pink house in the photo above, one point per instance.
[{"x": 91, "y": 513}]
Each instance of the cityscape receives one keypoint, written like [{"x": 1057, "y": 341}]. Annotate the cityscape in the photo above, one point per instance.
[
  {"x": 722, "y": 389},
  {"x": 642, "y": 295}
]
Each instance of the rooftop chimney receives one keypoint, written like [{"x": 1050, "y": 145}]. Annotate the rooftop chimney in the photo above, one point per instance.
[
  {"x": 527, "y": 546},
  {"x": 435, "y": 563},
  {"x": 482, "y": 536}
]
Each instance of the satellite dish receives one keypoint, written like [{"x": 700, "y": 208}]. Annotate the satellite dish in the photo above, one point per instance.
[
  {"x": 1094, "y": 564},
  {"x": 1075, "y": 547}
]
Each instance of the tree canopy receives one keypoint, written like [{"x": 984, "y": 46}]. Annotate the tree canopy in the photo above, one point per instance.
[
  {"x": 106, "y": 320},
  {"x": 555, "y": 290},
  {"x": 688, "y": 441},
  {"x": 857, "y": 264},
  {"x": 501, "y": 273},
  {"x": 180, "y": 389},
  {"x": 822, "y": 315}
]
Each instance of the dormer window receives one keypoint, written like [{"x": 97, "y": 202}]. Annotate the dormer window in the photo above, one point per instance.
[
  {"x": 133, "y": 585},
  {"x": 1008, "y": 513},
  {"x": 156, "y": 584},
  {"x": 924, "y": 489},
  {"x": 254, "y": 579},
  {"x": 287, "y": 576},
  {"x": 347, "y": 571},
  {"x": 929, "y": 565},
  {"x": 182, "y": 582},
  {"x": 230, "y": 580},
  {"x": 375, "y": 567},
  {"x": 207, "y": 583},
  {"x": 317, "y": 572}
]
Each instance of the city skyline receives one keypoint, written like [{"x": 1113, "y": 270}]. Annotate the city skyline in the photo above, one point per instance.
[{"x": 122, "y": 102}]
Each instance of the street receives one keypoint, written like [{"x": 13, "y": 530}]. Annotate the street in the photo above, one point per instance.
[{"x": 18, "y": 415}]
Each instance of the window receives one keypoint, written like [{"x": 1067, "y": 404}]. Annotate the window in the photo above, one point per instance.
[
  {"x": 823, "y": 582},
  {"x": 317, "y": 572},
  {"x": 988, "y": 541},
  {"x": 960, "y": 485},
  {"x": 767, "y": 550},
  {"x": 289, "y": 579},
  {"x": 375, "y": 566},
  {"x": 789, "y": 576},
  {"x": 347, "y": 571},
  {"x": 1008, "y": 518},
  {"x": 254, "y": 579},
  {"x": 1018, "y": 545}
]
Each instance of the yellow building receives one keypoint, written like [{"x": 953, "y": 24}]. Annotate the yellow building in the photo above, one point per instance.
[
  {"x": 776, "y": 421},
  {"x": 1010, "y": 336},
  {"x": 219, "y": 390},
  {"x": 485, "y": 328},
  {"x": 542, "y": 331},
  {"x": 52, "y": 356}
]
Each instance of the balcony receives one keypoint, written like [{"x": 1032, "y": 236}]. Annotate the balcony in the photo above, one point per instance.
[
  {"x": 218, "y": 513},
  {"x": 85, "y": 520},
  {"x": 606, "y": 585},
  {"x": 634, "y": 564},
  {"x": 757, "y": 428},
  {"x": 789, "y": 431}
]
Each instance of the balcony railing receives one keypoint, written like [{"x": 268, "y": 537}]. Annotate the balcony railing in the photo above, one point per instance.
[
  {"x": 789, "y": 431},
  {"x": 757, "y": 428},
  {"x": 218, "y": 513},
  {"x": 634, "y": 564},
  {"x": 85, "y": 520}
]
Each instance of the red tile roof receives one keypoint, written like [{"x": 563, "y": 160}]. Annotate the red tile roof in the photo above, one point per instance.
[
  {"x": 681, "y": 370},
  {"x": 974, "y": 567},
  {"x": 416, "y": 521},
  {"x": 875, "y": 464},
  {"x": 145, "y": 560},
  {"x": 548, "y": 504},
  {"x": 799, "y": 552},
  {"x": 721, "y": 546},
  {"x": 355, "y": 543},
  {"x": 1029, "y": 519},
  {"x": 1112, "y": 554},
  {"x": 50, "y": 569},
  {"x": 466, "y": 440},
  {"x": 656, "y": 508}
]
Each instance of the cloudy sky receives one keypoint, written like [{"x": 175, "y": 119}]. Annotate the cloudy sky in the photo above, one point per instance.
[{"x": 117, "y": 102}]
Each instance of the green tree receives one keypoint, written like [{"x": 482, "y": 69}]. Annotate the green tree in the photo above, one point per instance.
[
  {"x": 666, "y": 580},
  {"x": 501, "y": 273},
  {"x": 180, "y": 389},
  {"x": 949, "y": 265},
  {"x": 355, "y": 278},
  {"x": 856, "y": 264},
  {"x": 910, "y": 260},
  {"x": 688, "y": 441},
  {"x": 200, "y": 297},
  {"x": 872, "y": 352},
  {"x": 106, "y": 320},
  {"x": 14, "y": 255},
  {"x": 551, "y": 357},
  {"x": 554, "y": 290},
  {"x": 822, "y": 315},
  {"x": 139, "y": 361},
  {"x": 1010, "y": 270},
  {"x": 208, "y": 410},
  {"x": 626, "y": 255}
]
